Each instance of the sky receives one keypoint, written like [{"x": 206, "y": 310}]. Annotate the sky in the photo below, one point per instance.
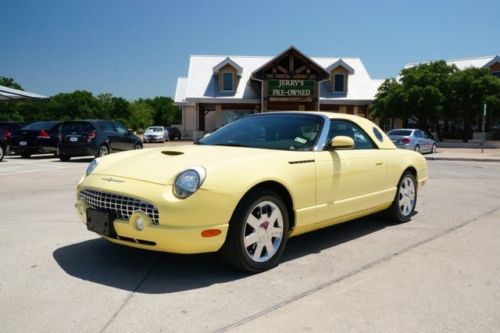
[{"x": 134, "y": 49}]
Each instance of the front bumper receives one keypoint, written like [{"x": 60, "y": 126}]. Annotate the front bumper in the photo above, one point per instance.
[{"x": 181, "y": 222}]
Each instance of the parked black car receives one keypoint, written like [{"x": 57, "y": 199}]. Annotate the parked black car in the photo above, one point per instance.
[
  {"x": 95, "y": 137},
  {"x": 174, "y": 133},
  {"x": 4, "y": 144},
  {"x": 36, "y": 138}
]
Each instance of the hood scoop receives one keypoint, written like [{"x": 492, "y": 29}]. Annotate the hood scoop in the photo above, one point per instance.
[{"x": 172, "y": 152}]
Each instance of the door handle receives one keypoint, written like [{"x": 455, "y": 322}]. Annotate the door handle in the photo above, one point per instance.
[{"x": 379, "y": 163}]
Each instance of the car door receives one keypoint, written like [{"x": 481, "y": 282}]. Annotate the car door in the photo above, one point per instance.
[
  {"x": 125, "y": 138},
  {"x": 112, "y": 137},
  {"x": 349, "y": 180}
]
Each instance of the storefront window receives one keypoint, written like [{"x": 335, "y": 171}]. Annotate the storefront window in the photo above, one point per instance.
[
  {"x": 227, "y": 81},
  {"x": 232, "y": 115}
]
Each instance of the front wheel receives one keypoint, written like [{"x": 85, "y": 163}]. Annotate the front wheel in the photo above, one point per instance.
[
  {"x": 2, "y": 152},
  {"x": 138, "y": 146},
  {"x": 404, "y": 203},
  {"x": 258, "y": 232}
]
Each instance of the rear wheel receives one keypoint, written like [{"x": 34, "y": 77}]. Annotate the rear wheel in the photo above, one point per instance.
[
  {"x": 102, "y": 151},
  {"x": 258, "y": 232},
  {"x": 404, "y": 203},
  {"x": 2, "y": 152},
  {"x": 434, "y": 149},
  {"x": 417, "y": 148}
]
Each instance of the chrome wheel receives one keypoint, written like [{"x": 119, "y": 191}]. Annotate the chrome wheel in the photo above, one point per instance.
[
  {"x": 406, "y": 196},
  {"x": 434, "y": 149},
  {"x": 2, "y": 153},
  {"x": 263, "y": 231}
]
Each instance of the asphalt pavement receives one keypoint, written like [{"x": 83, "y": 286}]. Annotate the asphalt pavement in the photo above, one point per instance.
[{"x": 439, "y": 272}]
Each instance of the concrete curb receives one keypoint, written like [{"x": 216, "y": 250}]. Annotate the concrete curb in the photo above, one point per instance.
[{"x": 462, "y": 159}]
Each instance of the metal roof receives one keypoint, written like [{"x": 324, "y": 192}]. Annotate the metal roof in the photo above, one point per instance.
[
  {"x": 8, "y": 94},
  {"x": 201, "y": 83},
  {"x": 477, "y": 62}
]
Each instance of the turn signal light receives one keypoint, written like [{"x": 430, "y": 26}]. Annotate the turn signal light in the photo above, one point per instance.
[{"x": 210, "y": 233}]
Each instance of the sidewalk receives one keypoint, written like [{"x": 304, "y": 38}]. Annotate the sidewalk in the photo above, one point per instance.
[{"x": 465, "y": 154}]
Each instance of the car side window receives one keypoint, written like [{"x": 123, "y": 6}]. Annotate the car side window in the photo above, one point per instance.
[
  {"x": 418, "y": 134},
  {"x": 107, "y": 126},
  {"x": 121, "y": 128},
  {"x": 347, "y": 128}
]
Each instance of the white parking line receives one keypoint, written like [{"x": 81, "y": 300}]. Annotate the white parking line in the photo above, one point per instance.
[{"x": 6, "y": 171}]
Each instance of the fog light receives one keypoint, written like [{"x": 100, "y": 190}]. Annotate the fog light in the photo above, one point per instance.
[
  {"x": 139, "y": 224},
  {"x": 140, "y": 220}
]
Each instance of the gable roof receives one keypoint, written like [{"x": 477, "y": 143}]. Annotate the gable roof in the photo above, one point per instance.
[
  {"x": 339, "y": 63},
  {"x": 228, "y": 61}
]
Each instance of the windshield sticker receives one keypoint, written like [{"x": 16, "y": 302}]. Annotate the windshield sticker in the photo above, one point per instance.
[{"x": 301, "y": 140}]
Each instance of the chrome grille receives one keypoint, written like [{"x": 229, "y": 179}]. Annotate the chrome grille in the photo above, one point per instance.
[{"x": 120, "y": 205}]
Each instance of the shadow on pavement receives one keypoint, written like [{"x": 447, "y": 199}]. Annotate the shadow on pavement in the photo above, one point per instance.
[{"x": 117, "y": 266}]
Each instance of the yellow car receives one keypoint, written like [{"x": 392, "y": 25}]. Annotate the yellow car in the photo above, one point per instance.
[{"x": 249, "y": 186}]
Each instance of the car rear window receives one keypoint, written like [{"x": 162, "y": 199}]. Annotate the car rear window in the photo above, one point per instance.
[
  {"x": 77, "y": 126},
  {"x": 400, "y": 132},
  {"x": 41, "y": 125}
]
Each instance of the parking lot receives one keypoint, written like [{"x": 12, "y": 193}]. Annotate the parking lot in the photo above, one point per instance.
[{"x": 440, "y": 272}]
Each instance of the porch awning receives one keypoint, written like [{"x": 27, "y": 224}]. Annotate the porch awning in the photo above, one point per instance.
[{"x": 8, "y": 94}]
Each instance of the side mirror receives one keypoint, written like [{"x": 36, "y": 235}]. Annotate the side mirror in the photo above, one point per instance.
[{"x": 342, "y": 142}]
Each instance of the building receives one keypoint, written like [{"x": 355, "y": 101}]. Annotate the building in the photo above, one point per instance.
[{"x": 220, "y": 89}]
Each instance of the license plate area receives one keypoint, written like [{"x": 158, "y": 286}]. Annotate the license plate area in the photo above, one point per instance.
[
  {"x": 23, "y": 143},
  {"x": 101, "y": 222}
]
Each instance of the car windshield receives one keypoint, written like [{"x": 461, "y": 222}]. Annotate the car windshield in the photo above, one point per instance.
[
  {"x": 400, "y": 132},
  {"x": 155, "y": 129},
  {"x": 271, "y": 131}
]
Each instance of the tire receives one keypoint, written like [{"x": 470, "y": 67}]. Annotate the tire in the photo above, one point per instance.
[
  {"x": 417, "y": 148},
  {"x": 2, "y": 152},
  {"x": 138, "y": 146},
  {"x": 254, "y": 243},
  {"x": 25, "y": 155},
  {"x": 102, "y": 151},
  {"x": 64, "y": 158},
  {"x": 405, "y": 201},
  {"x": 434, "y": 149}
]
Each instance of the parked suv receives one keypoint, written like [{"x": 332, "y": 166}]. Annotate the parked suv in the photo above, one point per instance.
[
  {"x": 39, "y": 137},
  {"x": 174, "y": 133},
  {"x": 95, "y": 137}
]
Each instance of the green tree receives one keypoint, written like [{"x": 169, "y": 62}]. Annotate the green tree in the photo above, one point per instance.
[
  {"x": 471, "y": 88},
  {"x": 141, "y": 115},
  {"x": 420, "y": 94},
  {"x": 10, "y": 83}
]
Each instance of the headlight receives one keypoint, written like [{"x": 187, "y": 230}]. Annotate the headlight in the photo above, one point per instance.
[
  {"x": 92, "y": 166},
  {"x": 189, "y": 181}
]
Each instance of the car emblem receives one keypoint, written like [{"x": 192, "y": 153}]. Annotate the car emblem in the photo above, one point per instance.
[{"x": 111, "y": 179}]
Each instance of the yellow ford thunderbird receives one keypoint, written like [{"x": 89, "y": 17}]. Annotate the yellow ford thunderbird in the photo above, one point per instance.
[{"x": 249, "y": 186}]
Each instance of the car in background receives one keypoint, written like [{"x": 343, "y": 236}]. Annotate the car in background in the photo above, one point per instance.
[
  {"x": 39, "y": 137},
  {"x": 4, "y": 144},
  {"x": 95, "y": 137},
  {"x": 412, "y": 139},
  {"x": 248, "y": 187},
  {"x": 156, "y": 134},
  {"x": 174, "y": 133}
]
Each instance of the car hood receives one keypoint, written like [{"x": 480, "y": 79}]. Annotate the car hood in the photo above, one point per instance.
[{"x": 162, "y": 165}]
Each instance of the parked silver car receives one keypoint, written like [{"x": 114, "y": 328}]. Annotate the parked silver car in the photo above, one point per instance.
[
  {"x": 413, "y": 139},
  {"x": 156, "y": 134}
]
